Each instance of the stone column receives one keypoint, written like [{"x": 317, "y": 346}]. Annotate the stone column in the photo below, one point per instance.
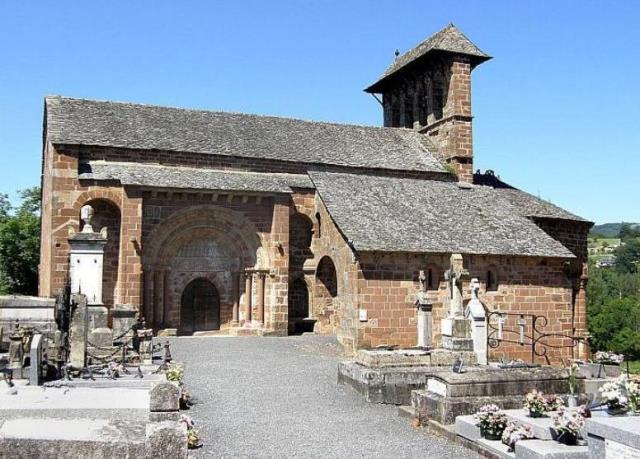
[
  {"x": 158, "y": 300},
  {"x": 235, "y": 292},
  {"x": 148, "y": 296},
  {"x": 425, "y": 308},
  {"x": 425, "y": 332},
  {"x": 260, "y": 298},
  {"x": 247, "y": 298},
  {"x": 165, "y": 297}
]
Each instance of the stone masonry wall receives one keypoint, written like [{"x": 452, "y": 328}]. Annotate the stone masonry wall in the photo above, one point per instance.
[
  {"x": 263, "y": 218},
  {"x": 63, "y": 196},
  {"x": 334, "y": 314},
  {"x": 389, "y": 283}
]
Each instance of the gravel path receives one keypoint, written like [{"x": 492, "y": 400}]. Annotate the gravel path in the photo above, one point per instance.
[{"x": 276, "y": 397}]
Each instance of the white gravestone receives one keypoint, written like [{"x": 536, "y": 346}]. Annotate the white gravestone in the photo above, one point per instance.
[{"x": 476, "y": 313}]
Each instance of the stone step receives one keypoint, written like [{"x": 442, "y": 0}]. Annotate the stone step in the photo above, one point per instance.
[
  {"x": 496, "y": 447},
  {"x": 549, "y": 449}
]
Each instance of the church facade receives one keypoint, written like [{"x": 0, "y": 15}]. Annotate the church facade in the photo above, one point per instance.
[{"x": 263, "y": 225}]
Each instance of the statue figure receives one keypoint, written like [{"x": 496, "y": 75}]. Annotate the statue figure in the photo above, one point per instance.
[{"x": 86, "y": 215}]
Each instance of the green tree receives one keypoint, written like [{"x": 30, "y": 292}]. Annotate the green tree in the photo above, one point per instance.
[
  {"x": 5, "y": 206},
  {"x": 616, "y": 327},
  {"x": 628, "y": 231},
  {"x": 20, "y": 246},
  {"x": 628, "y": 256}
]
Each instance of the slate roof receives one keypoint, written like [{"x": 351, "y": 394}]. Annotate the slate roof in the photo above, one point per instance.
[
  {"x": 525, "y": 203},
  {"x": 157, "y": 176},
  {"x": 449, "y": 39},
  {"x": 408, "y": 215},
  {"x": 116, "y": 124}
]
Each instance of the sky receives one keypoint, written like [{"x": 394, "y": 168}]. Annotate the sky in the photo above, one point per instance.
[{"x": 556, "y": 111}]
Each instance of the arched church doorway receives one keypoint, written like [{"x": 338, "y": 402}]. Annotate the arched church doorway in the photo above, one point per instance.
[{"x": 200, "y": 307}]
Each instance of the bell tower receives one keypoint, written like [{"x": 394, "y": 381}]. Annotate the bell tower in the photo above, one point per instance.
[{"x": 429, "y": 89}]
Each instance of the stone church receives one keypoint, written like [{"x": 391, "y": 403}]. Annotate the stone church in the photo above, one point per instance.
[{"x": 264, "y": 225}]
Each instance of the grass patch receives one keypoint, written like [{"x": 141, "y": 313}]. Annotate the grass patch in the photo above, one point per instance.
[{"x": 634, "y": 367}]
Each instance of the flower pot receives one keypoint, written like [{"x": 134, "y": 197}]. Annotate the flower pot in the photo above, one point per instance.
[
  {"x": 567, "y": 438},
  {"x": 616, "y": 410},
  {"x": 536, "y": 414},
  {"x": 493, "y": 436},
  {"x": 490, "y": 434}
]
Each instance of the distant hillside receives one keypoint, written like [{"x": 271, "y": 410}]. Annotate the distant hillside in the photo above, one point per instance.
[{"x": 610, "y": 229}]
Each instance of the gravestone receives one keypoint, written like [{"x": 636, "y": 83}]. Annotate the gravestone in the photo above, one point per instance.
[
  {"x": 476, "y": 313},
  {"x": 456, "y": 330},
  {"x": 36, "y": 357},
  {"x": 123, "y": 317},
  {"x": 78, "y": 331},
  {"x": 86, "y": 256},
  {"x": 424, "y": 307},
  {"x": 145, "y": 336}
]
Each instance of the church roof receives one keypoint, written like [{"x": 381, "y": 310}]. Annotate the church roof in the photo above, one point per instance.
[
  {"x": 449, "y": 39},
  {"x": 527, "y": 204},
  {"x": 133, "y": 126},
  {"x": 408, "y": 215},
  {"x": 158, "y": 176}
]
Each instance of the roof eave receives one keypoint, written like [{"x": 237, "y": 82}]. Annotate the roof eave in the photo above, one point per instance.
[{"x": 377, "y": 87}]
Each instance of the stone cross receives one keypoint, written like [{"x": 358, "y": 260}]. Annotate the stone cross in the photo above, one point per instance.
[
  {"x": 454, "y": 276},
  {"x": 86, "y": 215}
]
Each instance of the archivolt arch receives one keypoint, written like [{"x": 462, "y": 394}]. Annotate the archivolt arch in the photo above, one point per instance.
[{"x": 230, "y": 228}]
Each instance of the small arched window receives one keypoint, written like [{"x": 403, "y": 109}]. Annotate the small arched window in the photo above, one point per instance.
[
  {"x": 432, "y": 280},
  {"x": 492, "y": 280}
]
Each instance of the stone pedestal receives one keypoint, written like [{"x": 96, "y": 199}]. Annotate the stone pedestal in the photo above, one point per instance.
[
  {"x": 101, "y": 337},
  {"x": 146, "y": 346},
  {"x": 456, "y": 334},
  {"x": 425, "y": 320},
  {"x": 123, "y": 317}
]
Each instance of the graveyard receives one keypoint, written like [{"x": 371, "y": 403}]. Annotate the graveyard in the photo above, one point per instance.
[
  {"x": 79, "y": 383},
  {"x": 199, "y": 280}
]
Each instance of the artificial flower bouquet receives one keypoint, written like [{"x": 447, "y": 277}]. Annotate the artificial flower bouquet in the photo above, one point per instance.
[
  {"x": 568, "y": 424},
  {"x": 513, "y": 433},
  {"x": 608, "y": 358},
  {"x": 193, "y": 436},
  {"x": 491, "y": 421},
  {"x": 175, "y": 372},
  {"x": 535, "y": 404}
]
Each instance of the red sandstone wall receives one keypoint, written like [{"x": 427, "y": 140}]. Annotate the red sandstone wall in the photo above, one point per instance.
[
  {"x": 389, "y": 283},
  {"x": 265, "y": 218},
  {"x": 63, "y": 196}
]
